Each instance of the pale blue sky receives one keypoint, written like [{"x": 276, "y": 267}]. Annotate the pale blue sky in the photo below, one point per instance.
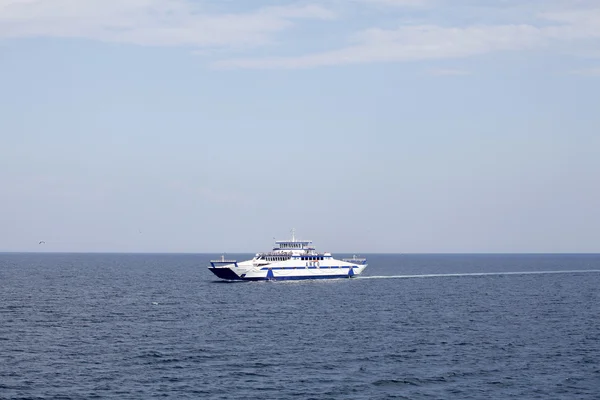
[{"x": 367, "y": 125}]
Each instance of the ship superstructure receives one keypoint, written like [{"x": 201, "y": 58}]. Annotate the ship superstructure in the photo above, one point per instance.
[{"x": 289, "y": 260}]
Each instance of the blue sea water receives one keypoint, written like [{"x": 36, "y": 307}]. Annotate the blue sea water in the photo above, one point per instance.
[{"x": 140, "y": 326}]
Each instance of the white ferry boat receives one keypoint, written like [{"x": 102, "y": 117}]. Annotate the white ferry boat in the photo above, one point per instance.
[{"x": 289, "y": 260}]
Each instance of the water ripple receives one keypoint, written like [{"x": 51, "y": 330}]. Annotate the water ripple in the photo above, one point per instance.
[{"x": 144, "y": 326}]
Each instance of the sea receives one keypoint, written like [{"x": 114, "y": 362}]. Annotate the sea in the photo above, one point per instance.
[{"x": 413, "y": 326}]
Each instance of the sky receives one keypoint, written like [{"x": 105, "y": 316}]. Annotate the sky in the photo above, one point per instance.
[{"x": 403, "y": 126}]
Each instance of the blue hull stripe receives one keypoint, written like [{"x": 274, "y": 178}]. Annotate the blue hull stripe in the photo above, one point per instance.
[
  {"x": 303, "y": 267},
  {"x": 228, "y": 274},
  {"x": 296, "y": 278}
]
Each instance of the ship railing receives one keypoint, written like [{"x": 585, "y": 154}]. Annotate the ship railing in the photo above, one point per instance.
[
  {"x": 222, "y": 261},
  {"x": 355, "y": 260}
]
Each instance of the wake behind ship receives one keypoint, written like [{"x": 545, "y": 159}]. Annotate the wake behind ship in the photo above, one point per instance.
[{"x": 289, "y": 260}]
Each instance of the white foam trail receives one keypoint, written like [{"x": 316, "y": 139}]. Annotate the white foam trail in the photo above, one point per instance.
[{"x": 574, "y": 271}]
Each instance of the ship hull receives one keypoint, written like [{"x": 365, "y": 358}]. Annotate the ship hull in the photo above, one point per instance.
[{"x": 232, "y": 273}]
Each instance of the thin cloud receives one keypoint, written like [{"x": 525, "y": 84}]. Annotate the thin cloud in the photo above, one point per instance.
[
  {"x": 430, "y": 42},
  {"x": 151, "y": 22},
  {"x": 212, "y": 29},
  {"x": 409, "y": 43}
]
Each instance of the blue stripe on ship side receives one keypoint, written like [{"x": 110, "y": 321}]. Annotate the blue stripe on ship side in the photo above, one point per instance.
[
  {"x": 297, "y": 278},
  {"x": 303, "y": 267},
  {"x": 228, "y": 274}
]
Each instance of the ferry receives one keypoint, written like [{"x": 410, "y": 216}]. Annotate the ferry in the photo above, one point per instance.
[{"x": 288, "y": 260}]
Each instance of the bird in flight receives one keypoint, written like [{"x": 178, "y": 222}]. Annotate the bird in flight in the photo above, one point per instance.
[{"x": 41, "y": 242}]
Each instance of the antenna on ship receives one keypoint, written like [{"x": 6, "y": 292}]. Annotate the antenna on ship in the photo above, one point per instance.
[{"x": 293, "y": 234}]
